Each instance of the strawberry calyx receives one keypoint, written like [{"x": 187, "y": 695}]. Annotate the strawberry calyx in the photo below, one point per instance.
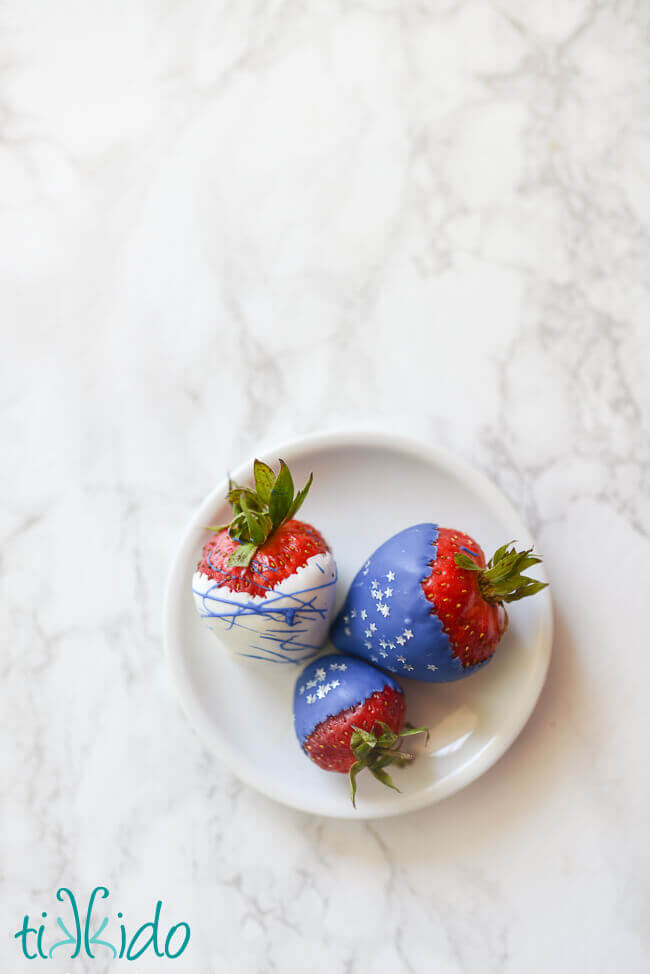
[
  {"x": 259, "y": 511},
  {"x": 376, "y": 753},
  {"x": 502, "y": 580}
]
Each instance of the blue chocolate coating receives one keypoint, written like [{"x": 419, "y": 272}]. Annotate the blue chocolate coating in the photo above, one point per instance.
[
  {"x": 386, "y": 617},
  {"x": 331, "y": 684}
]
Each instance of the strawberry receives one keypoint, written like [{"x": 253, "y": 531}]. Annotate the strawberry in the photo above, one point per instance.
[
  {"x": 286, "y": 550},
  {"x": 348, "y": 716},
  {"x": 265, "y": 583},
  {"x": 426, "y": 605}
]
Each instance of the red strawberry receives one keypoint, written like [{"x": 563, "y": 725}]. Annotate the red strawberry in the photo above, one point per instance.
[
  {"x": 473, "y": 625},
  {"x": 329, "y": 745},
  {"x": 425, "y": 604},
  {"x": 468, "y": 596},
  {"x": 266, "y": 582},
  {"x": 348, "y": 716},
  {"x": 285, "y": 551}
]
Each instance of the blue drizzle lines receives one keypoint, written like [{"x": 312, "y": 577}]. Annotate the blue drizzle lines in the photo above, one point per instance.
[{"x": 288, "y": 626}]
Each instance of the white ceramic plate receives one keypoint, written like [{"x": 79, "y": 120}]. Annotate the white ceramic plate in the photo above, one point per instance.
[{"x": 366, "y": 487}]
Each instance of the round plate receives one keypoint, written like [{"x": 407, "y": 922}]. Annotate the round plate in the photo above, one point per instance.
[{"x": 366, "y": 487}]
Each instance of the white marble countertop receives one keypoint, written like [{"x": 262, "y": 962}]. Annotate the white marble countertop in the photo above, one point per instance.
[{"x": 222, "y": 224}]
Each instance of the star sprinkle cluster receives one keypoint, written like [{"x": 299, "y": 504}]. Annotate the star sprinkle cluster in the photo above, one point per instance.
[
  {"x": 382, "y": 638},
  {"x": 320, "y": 683}
]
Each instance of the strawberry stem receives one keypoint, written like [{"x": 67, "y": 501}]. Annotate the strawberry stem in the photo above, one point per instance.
[
  {"x": 376, "y": 753},
  {"x": 502, "y": 580},
  {"x": 259, "y": 511}
]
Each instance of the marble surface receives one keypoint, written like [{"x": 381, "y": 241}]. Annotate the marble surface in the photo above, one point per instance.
[{"x": 222, "y": 224}]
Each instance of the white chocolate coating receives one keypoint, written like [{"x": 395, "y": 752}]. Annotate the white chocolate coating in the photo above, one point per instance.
[{"x": 289, "y": 624}]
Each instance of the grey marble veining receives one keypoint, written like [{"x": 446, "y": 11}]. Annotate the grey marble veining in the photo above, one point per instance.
[{"x": 221, "y": 225}]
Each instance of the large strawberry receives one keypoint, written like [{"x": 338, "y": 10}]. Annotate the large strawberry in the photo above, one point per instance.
[
  {"x": 348, "y": 716},
  {"x": 266, "y": 583},
  {"x": 427, "y": 606}
]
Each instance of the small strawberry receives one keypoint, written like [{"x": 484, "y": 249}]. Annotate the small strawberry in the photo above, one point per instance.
[
  {"x": 427, "y": 606},
  {"x": 266, "y": 583},
  {"x": 348, "y": 716}
]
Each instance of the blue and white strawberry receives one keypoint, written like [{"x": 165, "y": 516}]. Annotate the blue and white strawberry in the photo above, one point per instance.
[
  {"x": 348, "y": 715},
  {"x": 265, "y": 583},
  {"x": 427, "y": 606}
]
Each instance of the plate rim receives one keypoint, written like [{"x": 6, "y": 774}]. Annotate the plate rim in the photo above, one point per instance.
[{"x": 478, "y": 482}]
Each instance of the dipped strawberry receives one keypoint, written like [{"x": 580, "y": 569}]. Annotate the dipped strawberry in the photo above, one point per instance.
[
  {"x": 348, "y": 716},
  {"x": 426, "y": 605},
  {"x": 266, "y": 582}
]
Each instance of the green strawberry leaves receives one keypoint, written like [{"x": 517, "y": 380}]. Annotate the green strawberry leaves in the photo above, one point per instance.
[
  {"x": 281, "y": 497},
  {"x": 383, "y": 776},
  {"x": 502, "y": 580},
  {"x": 354, "y": 771},
  {"x": 264, "y": 480},
  {"x": 242, "y": 555},
  {"x": 259, "y": 511},
  {"x": 299, "y": 498},
  {"x": 377, "y": 752},
  {"x": 464, "y": 561}
]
